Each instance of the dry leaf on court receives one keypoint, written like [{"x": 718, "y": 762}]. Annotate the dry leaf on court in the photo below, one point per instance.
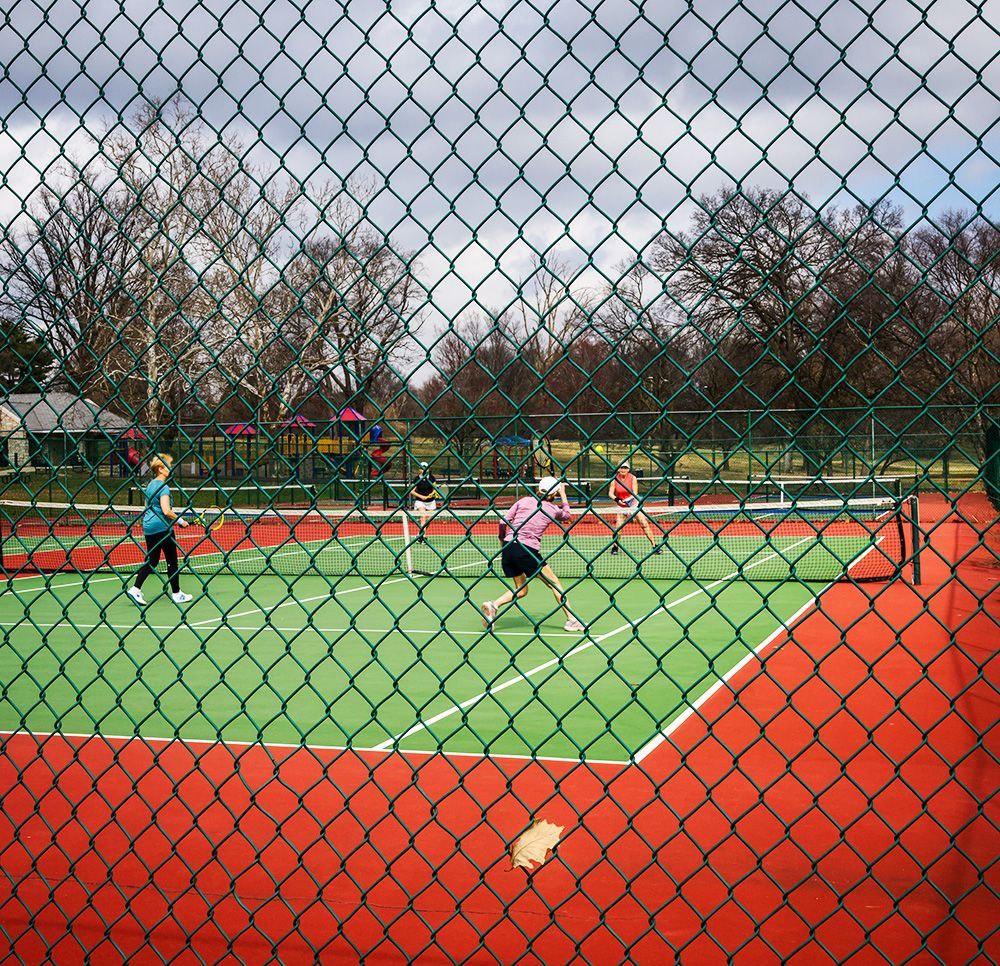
[{"x": 532, "y": 845}]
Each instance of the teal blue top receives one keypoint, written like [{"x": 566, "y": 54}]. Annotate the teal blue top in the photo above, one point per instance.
[{"x": 153, "y": 520}]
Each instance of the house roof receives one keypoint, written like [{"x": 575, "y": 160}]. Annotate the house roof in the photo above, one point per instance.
[{"x": 62, "y": 412}]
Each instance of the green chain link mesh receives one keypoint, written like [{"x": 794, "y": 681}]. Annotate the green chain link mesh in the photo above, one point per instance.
[{"x": 748, "y": 247}]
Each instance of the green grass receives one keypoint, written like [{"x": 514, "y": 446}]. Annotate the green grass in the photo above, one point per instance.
[{"x": 277, "y": 660}]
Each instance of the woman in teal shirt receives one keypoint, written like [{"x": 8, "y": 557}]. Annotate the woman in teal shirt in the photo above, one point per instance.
[{"x": 158, "y": 528}]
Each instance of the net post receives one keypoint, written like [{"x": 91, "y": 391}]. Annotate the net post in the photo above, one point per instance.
[
  {"x": 914, "y": 502},
  {"x": 407, "y": 552}
]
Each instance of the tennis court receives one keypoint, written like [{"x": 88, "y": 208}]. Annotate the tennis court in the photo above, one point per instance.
[
  {"x": 391, "y": 661},
  {"x": 368, "y": 651}
]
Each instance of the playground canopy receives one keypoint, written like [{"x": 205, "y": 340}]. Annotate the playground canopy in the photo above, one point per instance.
[
  {"x": 240, "y": 429},
  {"x": 297, "y": 422}
]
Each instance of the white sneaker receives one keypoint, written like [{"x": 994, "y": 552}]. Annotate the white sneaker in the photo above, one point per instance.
[
  {"x": 181, "y": 598},
  {"x": 489, "y": 610},
  {"x": 136, "y": 596},
  {"x": 573, "y": 625}
]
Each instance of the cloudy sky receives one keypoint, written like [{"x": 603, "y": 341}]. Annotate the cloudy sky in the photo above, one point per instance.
[{"x": 495, "y": 129}]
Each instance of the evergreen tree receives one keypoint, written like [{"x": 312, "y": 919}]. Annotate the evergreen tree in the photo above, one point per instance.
[{"x": 25, "y": 361}]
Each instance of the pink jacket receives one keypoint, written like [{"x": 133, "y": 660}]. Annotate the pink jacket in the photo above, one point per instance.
[{"x": 529, "y": 518}]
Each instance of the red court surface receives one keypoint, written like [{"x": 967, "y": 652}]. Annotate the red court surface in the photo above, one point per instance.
[{"x": 833, "y": 802}]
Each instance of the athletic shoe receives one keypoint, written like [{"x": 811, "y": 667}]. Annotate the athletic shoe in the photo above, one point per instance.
[
  {"x": 136, "y": 596},
  {"x": 181, "y": 598},
  {"x": 489, "y": 610},
  {"x": 573, "y": 625},
  {"x": 614, "y": 549},
  {"x": 658, "y": 552}
]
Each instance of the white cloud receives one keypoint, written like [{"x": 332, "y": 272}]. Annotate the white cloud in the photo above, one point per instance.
[{"x": 492, "y": 132}]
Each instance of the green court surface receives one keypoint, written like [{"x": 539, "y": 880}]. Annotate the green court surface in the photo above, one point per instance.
[{"x": 405, "y": 663}]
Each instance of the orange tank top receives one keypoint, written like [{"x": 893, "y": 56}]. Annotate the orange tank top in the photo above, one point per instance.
[{"x": 625, "y": 488}]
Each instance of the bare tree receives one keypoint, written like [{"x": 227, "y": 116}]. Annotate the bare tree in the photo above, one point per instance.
[
  {"x": 478, "y": 373},
  {"x": 796, "y": 306},
  {"x": 247, "y": 329},
  {"x": 550, "y": 313},
  {"x": 108, "y": 268},
  {"x": 67, "y": 272},
  {"x": 649, "y": 342},
  {"x": 174, "y": 272},
  {"x": 162, "y": 177},
  {"x": 357, "y": 306},
  {"x": 957, "y": 306}
]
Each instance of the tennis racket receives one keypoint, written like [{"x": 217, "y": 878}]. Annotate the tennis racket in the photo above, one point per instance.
[{"x": 211, "y": 518}]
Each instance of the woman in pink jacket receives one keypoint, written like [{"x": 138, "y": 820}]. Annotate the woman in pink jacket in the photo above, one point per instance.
[{"x": 522, "y": 529}]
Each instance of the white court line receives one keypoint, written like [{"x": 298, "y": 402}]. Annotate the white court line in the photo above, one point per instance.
[
  {"x": 692, "y": 709},
  {"x": 192, "y": 564},
  {"x": 122, "y": 575},
  {"x": 283, "y": 630},
  {"x": 50, "y": 583},
  {"x": 374, "y": 588},
  {"x": 593, "y": 642},
  {"x": 785, "y": 628},
  {"x": 224, "y": 618},
  {"x": 371, "y": 588},
  {"x": 37, "y": 591},
  {"x": 41, "y": 736}
]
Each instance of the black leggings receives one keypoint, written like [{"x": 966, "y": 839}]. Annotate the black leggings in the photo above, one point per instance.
[{"x": 157, "y": 543}]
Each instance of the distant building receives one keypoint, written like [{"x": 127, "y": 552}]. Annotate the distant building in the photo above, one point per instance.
[
  {"x": 13, "y": 439},
  {"x": 60, "y": 429}
]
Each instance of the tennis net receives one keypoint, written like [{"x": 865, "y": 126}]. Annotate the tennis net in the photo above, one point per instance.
[
  {"x": 470, "y": 493},
  {"x": 779, "y": 489},
  {"x": 862, "y": 539}
]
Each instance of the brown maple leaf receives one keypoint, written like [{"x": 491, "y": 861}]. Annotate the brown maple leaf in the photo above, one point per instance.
[{"x": 533, "y": 844}]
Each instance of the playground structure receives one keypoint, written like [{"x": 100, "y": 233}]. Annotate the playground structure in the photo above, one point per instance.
[
  {"x": 507, "y": 458},
  {"x": 298, "y": 449}
]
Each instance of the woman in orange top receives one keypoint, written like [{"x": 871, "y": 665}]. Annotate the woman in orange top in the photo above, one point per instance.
[{"x": 624, "y": 490}]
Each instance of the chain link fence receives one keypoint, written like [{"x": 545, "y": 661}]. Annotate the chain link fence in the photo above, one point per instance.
[{"x": 344, "y": 305}]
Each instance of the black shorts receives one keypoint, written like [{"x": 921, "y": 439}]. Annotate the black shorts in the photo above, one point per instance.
[{"x": 520, "y": 561}]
